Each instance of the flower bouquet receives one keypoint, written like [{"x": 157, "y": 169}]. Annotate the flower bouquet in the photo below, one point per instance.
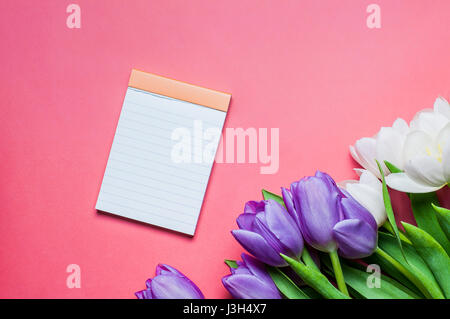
[{"x": 320, "y": 239}]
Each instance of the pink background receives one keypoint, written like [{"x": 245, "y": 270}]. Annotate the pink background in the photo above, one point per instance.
[{"x": 311, "y": 68}]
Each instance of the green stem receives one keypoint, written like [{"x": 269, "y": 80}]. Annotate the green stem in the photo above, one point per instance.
[
  {"x": 338, "y": 272},
  {"x": 308, "y": 259},
  {"x": 315, "y": 279},
  {"x": 404, "y": 271}
]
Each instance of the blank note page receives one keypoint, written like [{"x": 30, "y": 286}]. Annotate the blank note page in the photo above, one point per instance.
[{"x": 141, "y": 180}]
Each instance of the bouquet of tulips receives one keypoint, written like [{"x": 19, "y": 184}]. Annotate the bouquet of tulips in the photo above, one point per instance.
[{"x": 322, "y": 239}]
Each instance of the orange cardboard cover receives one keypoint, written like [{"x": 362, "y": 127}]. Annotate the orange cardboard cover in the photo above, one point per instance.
[{"x": 179, "y": 90}]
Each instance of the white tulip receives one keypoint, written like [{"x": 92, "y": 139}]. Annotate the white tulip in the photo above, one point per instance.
[
  {"x": 426, "y": 152},
  {"x": 421, "y": 150},
  {"x": 387, "y": 145},
  {"x": 368, "y": 191}
]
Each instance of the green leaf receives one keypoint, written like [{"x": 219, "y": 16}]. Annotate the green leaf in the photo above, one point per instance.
[
  {"x": 410, "y": 264},
  {"x": 433, "y": 254},
  {"x": 307, "y": 259},
  {"x": 285, "y": 284},
  {"x": 315, "y": 279},
  {"x": 357, "y": 279},
  {"x": 311, "y": 293},
  {"x": 388, "y": 207},
  {"x": 392, "y": 168},
  {"x": 389, "y": 228},
  {"x": 389, "y": 269},
  {"x": 268, "y": 195},
  {"x": 231, "y": 263},
  {"x": 426, "y": 218},
  {"x": 388, "y": 289},
  {"x": 388, "y": 243},
  {"x": 443, "y": 216}
]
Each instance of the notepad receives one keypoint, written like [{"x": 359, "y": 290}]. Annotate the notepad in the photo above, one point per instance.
[{"x": 142, "y": 180}]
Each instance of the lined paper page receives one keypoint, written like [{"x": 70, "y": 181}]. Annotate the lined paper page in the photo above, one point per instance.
[{"x": 141, "y": 180}]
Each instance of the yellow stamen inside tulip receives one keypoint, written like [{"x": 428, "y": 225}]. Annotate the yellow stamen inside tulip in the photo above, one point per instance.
[{"x": 438, "y": 157}]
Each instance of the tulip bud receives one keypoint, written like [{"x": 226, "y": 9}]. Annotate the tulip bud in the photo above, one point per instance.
[
  {"x": 169, "y": 283},
  {"x": 250, "y": 281},
  {"x": 266, "y": 230},
  {"x": 331, "y": 219}
]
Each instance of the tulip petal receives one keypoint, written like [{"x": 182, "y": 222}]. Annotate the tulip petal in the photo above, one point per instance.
[
  {"x": 174, "y": 287},
  {"x": 367, "y": 178},
  {"x": 401, "y": 126},
  {"x": 402, "y": 182},
  {"x": 416, "y": 144},
  {"x": 249, "y": 287},
  {"x": 443, "y": 137},
  {"x": 327, "y": 178},
  {"x": 388, "y": 146},
  {"x": 365, "y": 148},
  {"x": 425, "y": 170},
  {"x": 288, "y": 201},
  {"x": 284, "y": 228},
  {"x": 352, "y": 209},
  {"x": 355, "y": 155},
  {"x": 144, "y": 294},
  {"x": 256, "y": 245},
  {"x": 344, "y": 184},
  {"x": 262, "y": 229},
  {"x": 443, "y": 144},
  {"x": 355, "y": 238},
  {"x": 441, "y": 106},
  {"x": 257, "y": 268},
  {"x": 163, "y": 269},
  {"x": 371, "y": 199},
  {"x": 250, "y": 280},
  {"x": 446, "y": 161},
  {"x": 254, "y": 207},
  {"x": 317, "y": 203},
  {"x": 246, "y": 221},
  {"x": 167, "y": 270},
  {"x": 241, "y": 269},
  {"x": 414, "y": 122},
  {"x": 429, "y": 122}
]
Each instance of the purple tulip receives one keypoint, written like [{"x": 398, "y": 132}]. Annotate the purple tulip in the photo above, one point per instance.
[
  {"x": 250, "y": 281},
  {"x": 169, "y": 283},
  {"x": 266, "y": 230},
  {"x": 329, "y": 218}
]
